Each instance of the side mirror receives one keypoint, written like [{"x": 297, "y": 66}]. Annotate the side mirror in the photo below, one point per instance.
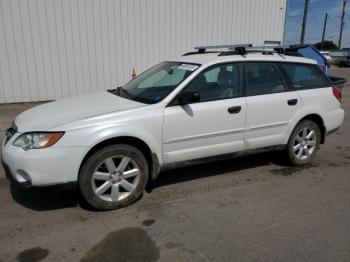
[{"x": 188, "y": 97}]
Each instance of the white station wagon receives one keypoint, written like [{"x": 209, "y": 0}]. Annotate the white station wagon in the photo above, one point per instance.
[{"x": 198, "y": 107}]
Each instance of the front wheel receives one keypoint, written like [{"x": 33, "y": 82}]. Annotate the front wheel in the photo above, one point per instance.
[
  {"x": 113, "y": 177},
  {"x": 304, "y": 142}
]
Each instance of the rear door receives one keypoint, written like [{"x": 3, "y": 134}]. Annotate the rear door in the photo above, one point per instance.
[
  {"x": 269, "y": 106},
  {"x": 316, "y": 92}
]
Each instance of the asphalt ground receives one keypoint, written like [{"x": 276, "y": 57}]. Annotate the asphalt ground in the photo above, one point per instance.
[{"x": 254, "y": 208}]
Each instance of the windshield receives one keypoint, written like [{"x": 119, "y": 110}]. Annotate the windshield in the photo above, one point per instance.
[{"x": 156, "y": 83}]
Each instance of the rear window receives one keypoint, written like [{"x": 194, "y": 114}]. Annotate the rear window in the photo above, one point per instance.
[{"x": 303, "y": 76}]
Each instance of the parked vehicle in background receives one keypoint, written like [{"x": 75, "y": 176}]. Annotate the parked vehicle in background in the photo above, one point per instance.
[
  {"x": 198, "y": 107},
  {"x": 340, "y": 57},
  {"x": 328, "y": 57}
]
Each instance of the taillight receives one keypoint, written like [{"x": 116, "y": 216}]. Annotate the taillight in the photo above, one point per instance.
[{"x": 337, "y": 93}]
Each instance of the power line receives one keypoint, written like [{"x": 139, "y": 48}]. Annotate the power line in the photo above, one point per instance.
[
  {"x": 294, "y": 16},
  {"x": 317, "y": 3},
  {"x": 330, "y": 19},
  {"x": 313, "y": 17}
]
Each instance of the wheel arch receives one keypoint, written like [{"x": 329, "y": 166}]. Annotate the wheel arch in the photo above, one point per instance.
[
  {"x": 319, "y": 121},
  {"x": 151, "y": 157}
]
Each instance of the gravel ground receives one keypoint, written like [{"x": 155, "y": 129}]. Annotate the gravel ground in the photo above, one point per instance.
[{"x": 247, "y": 209}]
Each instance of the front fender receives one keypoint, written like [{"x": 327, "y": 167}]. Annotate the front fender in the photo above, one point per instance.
[{"x": 90, "y": 137}]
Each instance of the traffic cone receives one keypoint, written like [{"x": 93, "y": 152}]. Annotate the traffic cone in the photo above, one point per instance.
[{"x": 133, "y": 76}]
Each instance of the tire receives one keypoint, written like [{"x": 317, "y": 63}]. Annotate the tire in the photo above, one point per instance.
[
  {"x": 113, "y": 177},
  {"x": 308, "y": 143}
]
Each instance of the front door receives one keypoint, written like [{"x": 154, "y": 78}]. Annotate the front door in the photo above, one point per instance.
[{"x": 214, "y": 125}]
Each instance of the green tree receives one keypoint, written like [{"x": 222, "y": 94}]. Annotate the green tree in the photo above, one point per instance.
[{"x": 327, "y": 45}]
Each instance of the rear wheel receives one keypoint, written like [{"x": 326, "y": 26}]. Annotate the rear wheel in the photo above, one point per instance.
[
  {"x": 304, "y": 142},
  {"x": 113, "y": 177}
]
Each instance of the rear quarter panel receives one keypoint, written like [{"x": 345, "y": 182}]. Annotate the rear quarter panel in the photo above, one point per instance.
[{"x": 322, "y": 102}]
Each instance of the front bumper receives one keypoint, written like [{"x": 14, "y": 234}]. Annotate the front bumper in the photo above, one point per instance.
[
  {"x": 41, "y": 167},
  {"x": 26, "y": 183}
]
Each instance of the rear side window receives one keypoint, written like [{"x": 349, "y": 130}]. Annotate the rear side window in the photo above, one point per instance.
[
  {"x": 303, "y": 76},
  {"x": 263, "y": 78}
]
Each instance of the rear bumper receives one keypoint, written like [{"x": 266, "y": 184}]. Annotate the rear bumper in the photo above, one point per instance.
[
  {"x": 332, "y": 131},
  {"x": 333, "y": 120}
]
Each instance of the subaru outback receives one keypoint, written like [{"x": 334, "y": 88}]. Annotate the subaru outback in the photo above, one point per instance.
[{"x": 200, "y": 106}]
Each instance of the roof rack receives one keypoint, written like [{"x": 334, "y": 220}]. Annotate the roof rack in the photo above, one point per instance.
[
  {"x": 198, "y": 53},
  {"x": 229, "y": 47},
  {"x": 236, "y": 49},
  {"x": 233, "y": 49},
  {"x": 269, "y": 47}
]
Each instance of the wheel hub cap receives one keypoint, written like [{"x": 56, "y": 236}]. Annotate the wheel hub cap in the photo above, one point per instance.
[{"x": 116, "y": 177}]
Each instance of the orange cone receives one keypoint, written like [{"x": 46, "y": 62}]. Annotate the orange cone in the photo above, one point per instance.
[{"x": 133, "y": 76}]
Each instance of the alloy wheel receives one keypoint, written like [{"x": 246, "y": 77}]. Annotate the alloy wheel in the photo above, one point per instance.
[
  {"x": 115, "y": 178},
  {"x": 304, "y": 143}
]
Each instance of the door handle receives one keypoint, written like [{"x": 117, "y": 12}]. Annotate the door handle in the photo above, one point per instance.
[
  {"x": 234, "y": 109},
  {"x": 292, "y": 102}
]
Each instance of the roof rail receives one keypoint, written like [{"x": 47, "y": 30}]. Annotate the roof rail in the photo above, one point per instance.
[
  {"x": 272, "y": 43},
  {"x": 233, "y": 49},
  {"x": 269, "y": 47},
  {"x": 201, "y": 49},
  {"x": 238, "y": 50},
  {"x": 198, "y": 53}
]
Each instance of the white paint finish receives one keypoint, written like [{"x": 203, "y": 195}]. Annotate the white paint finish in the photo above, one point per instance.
[
  {"x": 203, "y": 129},
  {"x": 62, "y": 164},
  {"x": 326, "y": 105},
  {"x": 63, "y": 111},
  {"x": 170, "y": 132},
  {"x": 51, "y": 49},
  {"x": 319, "y": 101},
  {"x": 268, "y": 118}
]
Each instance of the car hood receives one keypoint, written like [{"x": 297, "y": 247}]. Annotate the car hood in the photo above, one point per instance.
[{"x": 50, "y": 115}]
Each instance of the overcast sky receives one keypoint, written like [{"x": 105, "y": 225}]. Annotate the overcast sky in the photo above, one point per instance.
[{"x": 315, "y": 20}]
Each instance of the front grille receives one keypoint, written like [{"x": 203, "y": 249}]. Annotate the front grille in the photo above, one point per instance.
[{"x": 10, "y": 132}]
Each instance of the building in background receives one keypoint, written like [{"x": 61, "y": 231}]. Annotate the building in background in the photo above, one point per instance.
[{"x": 51, "y": 49}]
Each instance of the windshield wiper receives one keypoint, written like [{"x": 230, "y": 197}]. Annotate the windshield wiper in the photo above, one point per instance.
[
  {"x": 120, "y": 91},
  {"x": 127, "y": 94},
  {"x": 115, "y": 91}
]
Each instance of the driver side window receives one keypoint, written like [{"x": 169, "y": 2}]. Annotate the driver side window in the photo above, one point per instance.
[{"x": 218, "y": 82}]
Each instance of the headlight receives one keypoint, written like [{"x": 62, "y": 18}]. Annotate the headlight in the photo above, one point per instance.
[{"x": 36, "y": 140}]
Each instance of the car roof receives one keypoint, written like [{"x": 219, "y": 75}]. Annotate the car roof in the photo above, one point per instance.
[{"x": 214, "y": 58}]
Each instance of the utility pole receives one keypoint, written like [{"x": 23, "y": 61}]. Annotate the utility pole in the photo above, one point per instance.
[
  {"x": 306, "y": 7},
  {"x": 324, "y": 29},
  {"x": 342, "y": 23}
]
